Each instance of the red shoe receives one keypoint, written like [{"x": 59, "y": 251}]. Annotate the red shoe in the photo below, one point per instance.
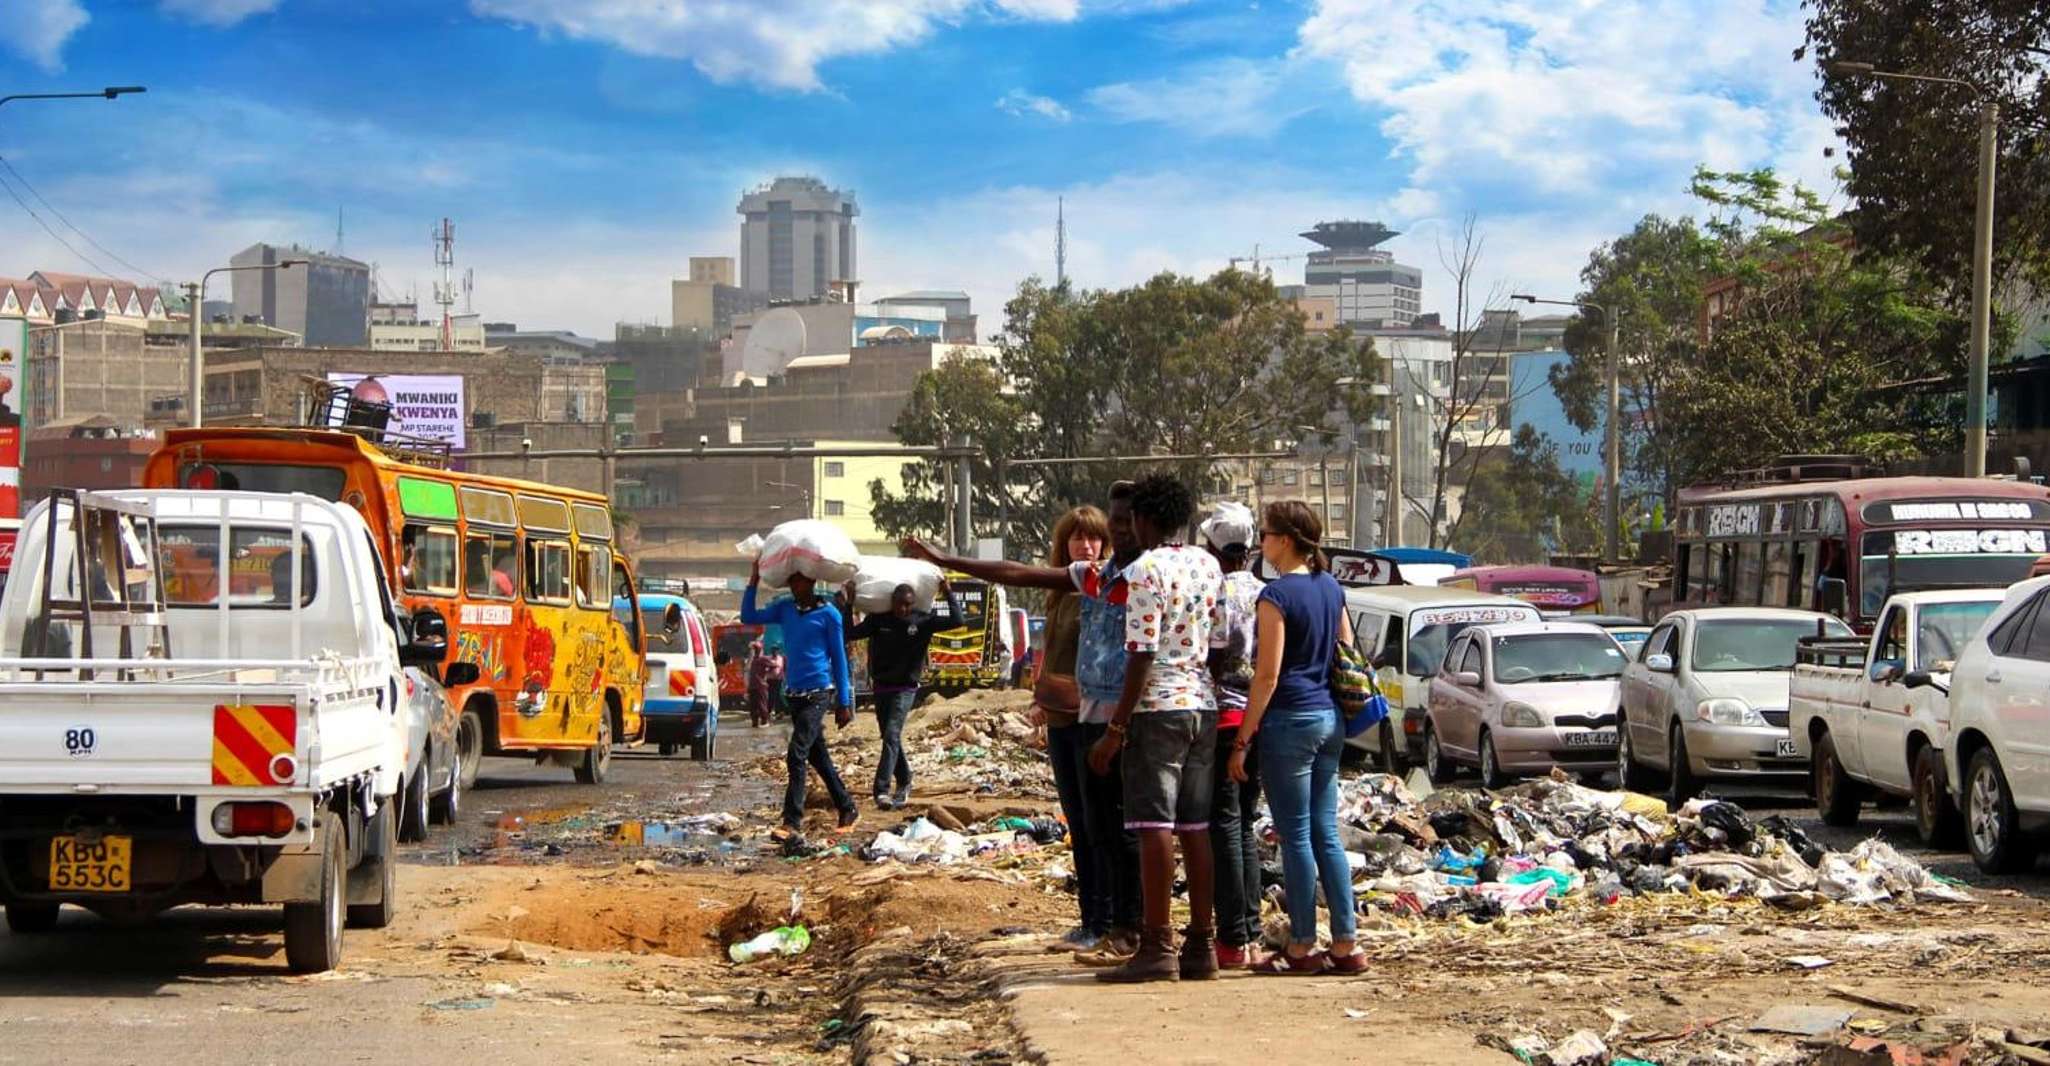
[{"x": 1231, "y": 958}]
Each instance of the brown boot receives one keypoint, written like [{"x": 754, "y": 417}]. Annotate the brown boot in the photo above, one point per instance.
[
  {"x": 1155, "y": 961},
  {"x": 1199, "y": 954}
]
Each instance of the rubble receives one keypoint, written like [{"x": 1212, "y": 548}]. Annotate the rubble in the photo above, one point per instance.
[{"x": 1551, "y": 842}]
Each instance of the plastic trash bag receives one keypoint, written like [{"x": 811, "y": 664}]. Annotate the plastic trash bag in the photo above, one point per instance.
[
  {"x": 878, "y": 576},
  {"x": 818, "y": 550}
]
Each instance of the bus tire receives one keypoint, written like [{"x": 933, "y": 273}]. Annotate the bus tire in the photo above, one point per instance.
[{"x": 598, "y": 758}]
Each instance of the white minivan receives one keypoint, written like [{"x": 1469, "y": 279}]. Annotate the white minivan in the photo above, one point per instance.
[
  {"x": 1998, "y": 760},
  {"x": 1404, "y": 630}
]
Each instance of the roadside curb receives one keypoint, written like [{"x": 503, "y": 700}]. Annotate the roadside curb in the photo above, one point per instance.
[{"x": 907, "y": 998}]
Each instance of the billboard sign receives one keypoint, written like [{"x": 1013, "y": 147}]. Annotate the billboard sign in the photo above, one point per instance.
[{"x": 429, "y": 406}]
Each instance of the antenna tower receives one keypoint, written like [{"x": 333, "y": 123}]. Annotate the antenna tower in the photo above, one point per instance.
[
  {"x": 469, "y": 290},
  {"x": 1060, "y": 242},
  {"x": 445, "y": 289}
]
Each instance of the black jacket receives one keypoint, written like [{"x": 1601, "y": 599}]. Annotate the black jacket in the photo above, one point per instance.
[{"x": 896, "y": 648}]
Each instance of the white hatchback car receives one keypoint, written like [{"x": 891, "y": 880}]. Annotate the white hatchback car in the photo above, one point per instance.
[{"x": 1998, "y": 760}]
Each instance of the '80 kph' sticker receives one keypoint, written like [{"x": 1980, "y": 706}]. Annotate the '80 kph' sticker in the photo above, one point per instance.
[{"x": 79, "y": 741}]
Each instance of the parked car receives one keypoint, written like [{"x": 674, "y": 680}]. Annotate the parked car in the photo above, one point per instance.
[
  {"x": 1404, "y": 631},
  {"x": 1706, "y": 698},
  {"x": 682, "y": 705},
  {"x": 1524, "y": 698},
  {"x": 1868, "y": 718},
  {"x": 1629, "y": 632},
  {"x": 2000, "y": 728}
]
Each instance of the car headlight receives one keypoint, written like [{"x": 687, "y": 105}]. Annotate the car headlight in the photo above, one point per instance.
[
  {"x": 1521, "y": 716},
  {"x": 1727, "y": 711}
]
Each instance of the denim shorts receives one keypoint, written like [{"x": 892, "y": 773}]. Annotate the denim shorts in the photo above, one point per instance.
[{"x": 1169, "y": 757}]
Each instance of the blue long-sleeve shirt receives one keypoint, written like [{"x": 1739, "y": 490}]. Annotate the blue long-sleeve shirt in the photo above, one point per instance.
[{"x": 814, "y": 643}]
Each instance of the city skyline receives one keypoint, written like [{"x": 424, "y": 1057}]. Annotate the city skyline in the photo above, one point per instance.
[{"x": 586, "y": 157}]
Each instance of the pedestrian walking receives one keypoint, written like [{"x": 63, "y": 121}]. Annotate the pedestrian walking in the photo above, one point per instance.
[
  {"x": 897, "y": 643},
  {"x": 1228, "y": 534},
  {"x": 1099, "y": 680},
  {"x": 1165, "y": 725},
  {"x": 1082, "y": 535},
  {"x": 1291, "y": 712},
  {"x": 816, "y": 678},
  {"x": 763, "y": 673}
]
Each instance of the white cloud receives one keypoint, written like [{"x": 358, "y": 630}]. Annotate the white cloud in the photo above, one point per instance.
[
  {"x": 1574, "y": 99},
  {"x": 1022, "y": 104},
  {"x": 37, "y": 29},
  {"x": 1234, "y": 97},
  {"x": 217, "y": 12},
  {"x": 777, "y": 43}
]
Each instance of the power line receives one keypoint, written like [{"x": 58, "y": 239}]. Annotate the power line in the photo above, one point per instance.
[
  {"x": 54, "y": 235},
  {"x": 68, "y": 224}
]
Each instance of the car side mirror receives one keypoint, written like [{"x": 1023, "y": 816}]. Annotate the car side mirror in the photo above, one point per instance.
[
  {"x": 458, "y": 674},
  {"x": 1661, "y": 663},
  {"x": 429, "y": 643},
  {"x": 1467, "y": 679},
  {"x": 672, "y": 619},
  {"x": 1916, "y": 679}
]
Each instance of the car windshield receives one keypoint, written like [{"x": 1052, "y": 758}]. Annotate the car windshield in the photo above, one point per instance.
[
  {"x": 1945, "y": 628},
  {"x": 1556, "y": 657},
  {"x": 1740, "y": 644}
]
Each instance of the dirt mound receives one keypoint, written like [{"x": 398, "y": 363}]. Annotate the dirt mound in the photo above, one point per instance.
[{"x": 638, "y": 920}]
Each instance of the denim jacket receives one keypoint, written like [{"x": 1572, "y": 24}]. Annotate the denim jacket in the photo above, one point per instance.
[{"x": 1100, "y": 655}]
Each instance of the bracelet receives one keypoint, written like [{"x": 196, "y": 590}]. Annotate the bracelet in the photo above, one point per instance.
[{"x": 1115, "y": 730}]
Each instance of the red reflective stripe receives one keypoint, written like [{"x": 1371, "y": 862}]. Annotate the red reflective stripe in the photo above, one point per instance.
[{"x": 253, "y": 756}]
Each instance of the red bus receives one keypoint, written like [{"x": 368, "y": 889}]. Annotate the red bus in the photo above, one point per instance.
[
  {"x": 1551, "y": 589},
  {"x": 1843, "y": 546}
]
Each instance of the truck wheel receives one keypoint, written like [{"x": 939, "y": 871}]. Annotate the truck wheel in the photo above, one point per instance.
[
  {"x": 1631, "y": 775},
  {"x": 1836, "y": 796},
  {"x": 599, "y": 758},
  {"x": 313, "y": 931},
  {"x": 382, "y": 831},
  {"x": 667, "y": 748},
  {"x": 1391, "y": 747},
  {"x": 1492, "y": 776},
  {"x": 469, "y": 746},
  {"x": 448, "y": 806},
  {"x": 1937, "y": 820},
  {"x": 413, "y": 808},
  {"x": 1681, "y": 784},
  {"x": 1992, "y": 825},
  {"x": 1435, "y": 764},
  {"x": 27, "y": 919}
]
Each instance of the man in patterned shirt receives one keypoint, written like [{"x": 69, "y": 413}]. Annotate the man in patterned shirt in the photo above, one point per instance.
[{"x": 1165, "y": 724}]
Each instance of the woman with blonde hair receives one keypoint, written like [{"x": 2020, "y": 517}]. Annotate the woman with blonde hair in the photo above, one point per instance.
[{"x": 1080, "y": 536}]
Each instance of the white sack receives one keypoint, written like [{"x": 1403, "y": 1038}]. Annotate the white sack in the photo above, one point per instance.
[
  {"x": 816, "y": 549},
  {"x": 880, "y": 575}
]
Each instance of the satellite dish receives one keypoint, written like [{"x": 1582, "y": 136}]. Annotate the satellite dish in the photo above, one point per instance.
[{"x": 777, "y": 338}]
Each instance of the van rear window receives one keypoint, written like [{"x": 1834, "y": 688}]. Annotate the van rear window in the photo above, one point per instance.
[{"x": 325, "y": 482}]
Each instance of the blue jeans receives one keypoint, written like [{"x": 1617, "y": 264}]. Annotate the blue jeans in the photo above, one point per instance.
[
  {"x": 891, "y": 710},
  {"x": 1298, "y": 752},
  {"x": 808, "y": 750}
]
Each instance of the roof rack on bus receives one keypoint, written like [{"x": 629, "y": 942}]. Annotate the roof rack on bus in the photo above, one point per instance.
[
  {"x": 335, "y": 406},
  {"x": 1794, "y": 469}
]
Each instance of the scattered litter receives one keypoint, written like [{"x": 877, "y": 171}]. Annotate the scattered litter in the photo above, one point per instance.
[
  {"x": 1583, "y": 1048},
  {"x": 782, "y": 940},
  {"x": 1356, "y": 1015},
  {"x": 1808, "y": 962},
  {"x": 1799, "y": 1019},
  {"x": 478, "y": 1003}
]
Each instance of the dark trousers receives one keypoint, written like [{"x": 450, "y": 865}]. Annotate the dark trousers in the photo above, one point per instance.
[
  {"x": 1070, "y": 758},
  {"x": 808, "y": 749},
  {"x": 1103, "y": 817},
  {"x": 1233, "y": 810},
  {"x": 891, "y": 710}
]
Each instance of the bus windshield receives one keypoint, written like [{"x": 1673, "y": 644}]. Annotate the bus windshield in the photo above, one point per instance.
[
  {"x": 1882, "y": 576},
  {"x": 974, "y": 599}
]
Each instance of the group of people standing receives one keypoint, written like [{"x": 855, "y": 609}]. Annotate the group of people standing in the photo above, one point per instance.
[{"x": 1175, "y": 685}]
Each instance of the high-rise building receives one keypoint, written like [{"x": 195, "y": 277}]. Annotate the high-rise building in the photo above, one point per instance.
[
  {"x": 710, "y": 300},
  {"x": 326, "y": 300},
  {"x": 798, "y": 238},
  {"x": 1368, "y": 286}
]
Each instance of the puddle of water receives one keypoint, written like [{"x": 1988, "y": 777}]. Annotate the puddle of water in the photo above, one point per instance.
[{"x": 643, "y": 834}]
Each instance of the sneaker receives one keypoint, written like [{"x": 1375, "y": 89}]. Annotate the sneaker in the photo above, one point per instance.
[
  {"x": 1231, "y": 958},
  {"x": 848, "y": 819},
  {"x": 902, "y": 797},
  {"x": 883, "y": 803},
  {"x": 1113, "y": 949},
  {"x": 1079, "y": 939}
]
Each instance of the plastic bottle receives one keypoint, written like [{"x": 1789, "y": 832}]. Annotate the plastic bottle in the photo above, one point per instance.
[{"x": 782, "y": 940}]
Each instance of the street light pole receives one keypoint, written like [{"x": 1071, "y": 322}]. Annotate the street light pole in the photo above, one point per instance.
[
  {"x": 108, "y": 93},
  {"x": 195, "y": 299},
  {"x": 1612, "y": 443},
  {"x": 1982, "y": 252}
]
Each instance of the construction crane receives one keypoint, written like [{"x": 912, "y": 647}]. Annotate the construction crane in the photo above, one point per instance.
[{"x": 1256, "y": 259}]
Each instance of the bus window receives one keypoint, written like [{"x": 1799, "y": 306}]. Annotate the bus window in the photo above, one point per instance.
[
  {"x": 592, "y": 566},
  {"x": 1800, "y": 588},
  {"x": 1682, "y": 555},
  {"x": 427, "y": 560},
  {"x": 1775, "y": 592},
  {"x": 548, "y": 571},
  {"x": 1750, "y": 575},
  {"x": 489, "y": 565}
]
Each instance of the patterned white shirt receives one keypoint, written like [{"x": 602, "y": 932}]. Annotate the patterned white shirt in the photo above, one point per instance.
[{"x": 1176, "y": 611}]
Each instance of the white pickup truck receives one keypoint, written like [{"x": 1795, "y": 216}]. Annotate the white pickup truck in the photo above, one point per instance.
[
  {"x": 203, "y": 699},
  {"x": 1865, "y": 714}
]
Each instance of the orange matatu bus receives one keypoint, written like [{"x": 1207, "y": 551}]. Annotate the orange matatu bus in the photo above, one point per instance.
[{"x": 526, "y": 575}]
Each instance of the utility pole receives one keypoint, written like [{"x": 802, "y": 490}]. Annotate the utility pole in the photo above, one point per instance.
[
  {"x": 1982, "y": 293},
  {"x": 195, "y": 300},
  {"x": 964, "y": 517},
  {"x": 1611, "y": 551},
  {"x": 1394, "y": 523}
]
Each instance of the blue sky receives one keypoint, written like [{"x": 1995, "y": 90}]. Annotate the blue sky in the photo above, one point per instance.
[{"x": 586, "y": 149}]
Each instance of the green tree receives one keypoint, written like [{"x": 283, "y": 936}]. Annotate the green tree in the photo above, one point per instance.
[
  {"x": 1526, "y": 507},
  {"x": 1913, "y": 146},
  {"x": 1174, "y": 366}
]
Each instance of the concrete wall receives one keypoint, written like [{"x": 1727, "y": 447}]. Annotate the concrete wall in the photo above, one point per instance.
[{"x": 83, "y": 369}]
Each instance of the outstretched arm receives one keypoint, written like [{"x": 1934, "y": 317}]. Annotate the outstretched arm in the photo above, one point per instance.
[{"x": 1001, "y": 571}]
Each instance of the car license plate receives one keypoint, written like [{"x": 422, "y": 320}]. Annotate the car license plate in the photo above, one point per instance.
[
  {"x": 102, "y": 865},
  {"x": 1784, "y": 748},
  {"x": 1604, "y": 739}
]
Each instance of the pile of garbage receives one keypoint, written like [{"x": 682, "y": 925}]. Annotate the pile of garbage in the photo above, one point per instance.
[
  {"x": 993, "y": 750},
  {"x": 1483, "y": 855},
  {"x": 923, "y": 841}
]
